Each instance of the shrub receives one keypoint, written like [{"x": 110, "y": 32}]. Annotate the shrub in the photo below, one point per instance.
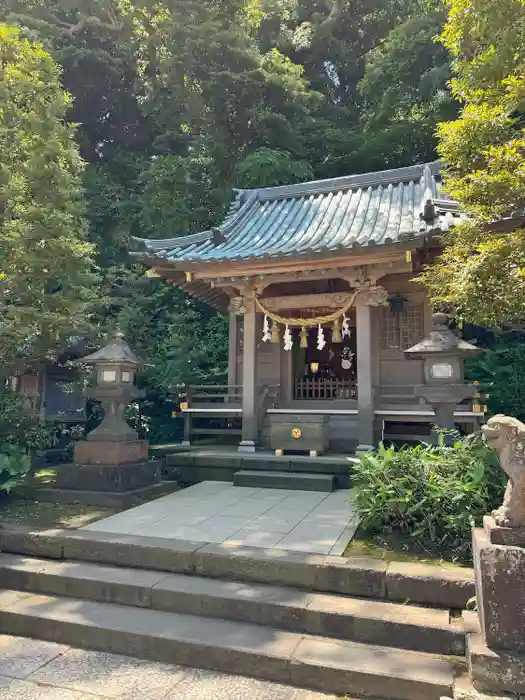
[
  {"x": 21, "y": 432},
  {"x": 432, "y": 494},
  {"x": 21, "y": 425},
  {"x": 14, "y": 465}
]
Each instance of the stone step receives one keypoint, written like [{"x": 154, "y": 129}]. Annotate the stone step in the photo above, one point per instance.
[
  {"x": 233, "y": 647},
  {"x": 285, "y": 480},
  {"x": 436, "y": 586},
  {"x": 337, "y": 616}
]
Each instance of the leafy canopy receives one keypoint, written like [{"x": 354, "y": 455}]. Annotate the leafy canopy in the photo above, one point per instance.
[
  {"x": 177, "y": 102},
  {"x": 481, "y": 273},
  {"x": 47, "y": 283}
]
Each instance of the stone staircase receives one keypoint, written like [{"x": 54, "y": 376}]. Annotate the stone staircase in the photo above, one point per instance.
[{"x": 355, "y": 627}]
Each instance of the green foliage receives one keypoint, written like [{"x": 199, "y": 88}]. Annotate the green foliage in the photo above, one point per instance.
[
  {"x": 14, "y": 466},
  {"x": 500, "y": 370},
  {"x": 46, "y": 278},
  {"x": 267, "y": 168},
  {"x": 178, "y": 101},
  {"x": 21, "y": 425},
  {"x": 178, "y": 194},
  {"x": 406, "y": 75},
  {"x": 481, "y": 272},
  {"x": 21, "y": 430},
  {"x": 432, "y": 494}
]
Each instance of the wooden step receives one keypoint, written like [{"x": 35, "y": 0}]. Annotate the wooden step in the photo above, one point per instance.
[
  {"x": 232, "y": 647},
  {"x": 300, "y": 481},
  {"x": 283, "y": 607}
]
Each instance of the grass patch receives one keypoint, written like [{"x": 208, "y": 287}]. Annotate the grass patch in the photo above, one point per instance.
[
  {"x": 42, "y": 516},
  {"x": 396, "y": 547}
]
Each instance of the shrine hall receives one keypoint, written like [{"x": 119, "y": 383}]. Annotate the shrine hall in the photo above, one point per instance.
[{"x": 318, "y": 281}]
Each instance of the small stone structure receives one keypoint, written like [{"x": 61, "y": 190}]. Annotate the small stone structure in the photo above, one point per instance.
[
  {"x": 111, "y": 466},
  {"x": 443, "y": 353},
  {"x": 497, "y": 656}
]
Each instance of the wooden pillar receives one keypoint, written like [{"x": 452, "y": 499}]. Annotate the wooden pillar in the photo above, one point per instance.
[
  {"x": 249, "y": 378},
  {"x": 186, "y": 442},
  {"x": 233, "y": 336},
  {"x": 365, "y": 374},
  {"x": 286, "y": 375}
]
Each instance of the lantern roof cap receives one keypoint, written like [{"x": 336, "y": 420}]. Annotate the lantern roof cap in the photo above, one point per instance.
[
  {"x": 117, "y": 351},
  {"x": 442, "y": 341}
]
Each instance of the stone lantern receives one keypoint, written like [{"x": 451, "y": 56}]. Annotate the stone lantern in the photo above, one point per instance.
[
  {"x": 443, "y": 354},
  {"x": 111, "y": 466},
  {"x": 115, "y": 366}
]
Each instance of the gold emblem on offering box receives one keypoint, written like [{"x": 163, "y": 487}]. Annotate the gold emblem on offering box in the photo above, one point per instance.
[{"x": 296, "y": 433}]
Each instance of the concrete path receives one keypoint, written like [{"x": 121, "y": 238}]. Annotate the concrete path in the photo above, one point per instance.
[
  {"x": 218, "y": 512},
  {"x": 35, "y": 670}
]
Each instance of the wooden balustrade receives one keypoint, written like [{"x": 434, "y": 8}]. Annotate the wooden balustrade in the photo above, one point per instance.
[
  {"x": 324, "y": 388},
  {"x": 213, "y": 394}
]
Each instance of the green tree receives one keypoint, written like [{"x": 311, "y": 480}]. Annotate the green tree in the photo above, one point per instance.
[
  {"x": 481, "y": 273},
  {"x": 178, "y": 101},
  {"x": 406, "y": 76},
  {"x": 268, "y": 168},
  {"x": 47, "y": 279}
]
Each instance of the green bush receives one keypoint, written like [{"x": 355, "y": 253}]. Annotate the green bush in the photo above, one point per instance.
[
  {"x": 15, "y": 464},
  {"x": 432, "y": 494}
]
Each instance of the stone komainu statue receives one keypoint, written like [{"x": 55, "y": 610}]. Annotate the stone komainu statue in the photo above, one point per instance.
[{"x": 506, "y": 436}]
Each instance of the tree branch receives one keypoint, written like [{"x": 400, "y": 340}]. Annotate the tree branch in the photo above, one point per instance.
[{"x": 336, "y": 8}]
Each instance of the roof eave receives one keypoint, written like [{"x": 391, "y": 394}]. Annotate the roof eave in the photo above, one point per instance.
[{"x": 361, "y": 251}]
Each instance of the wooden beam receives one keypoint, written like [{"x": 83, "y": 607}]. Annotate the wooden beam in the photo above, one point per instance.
[
  {"x": 332, "y": 300},
  {"x": 240, "y": 273},
  {"x": 237, "y": 269}
]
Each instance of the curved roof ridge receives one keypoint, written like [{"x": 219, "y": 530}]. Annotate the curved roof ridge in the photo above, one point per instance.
[
  {"x": 374, "y": 178},
  {"x": 384, "y": 207}
]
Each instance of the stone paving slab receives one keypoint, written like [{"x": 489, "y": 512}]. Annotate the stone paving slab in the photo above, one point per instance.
[
  {"x": 220, "y": 513},
  {"x": 19, "y": 657},
  {"x": 36, "y": 670}
]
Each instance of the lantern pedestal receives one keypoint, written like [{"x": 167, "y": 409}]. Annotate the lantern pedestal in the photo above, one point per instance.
[
  {"x": 104, "y": 452},
  {"x": 114, "y": 478},
  {"x": 106, "y": 471}
]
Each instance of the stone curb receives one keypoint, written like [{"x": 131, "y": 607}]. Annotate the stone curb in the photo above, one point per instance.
[{"x": 369, "y": 578}]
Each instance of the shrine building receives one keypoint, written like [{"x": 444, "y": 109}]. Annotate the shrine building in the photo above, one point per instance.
[{"x": 317, "y": 279}]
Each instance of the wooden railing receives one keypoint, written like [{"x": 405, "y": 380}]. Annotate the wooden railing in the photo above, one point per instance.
[
  {"x": 215, "y": 409},
  {"x": 323, "y": 388},
  {"x": 199, "y": 394}
]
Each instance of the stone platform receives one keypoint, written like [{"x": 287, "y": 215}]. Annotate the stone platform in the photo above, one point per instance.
[
  {"x": 217, "y": 512},
  {"x": 194, "y": 464}
]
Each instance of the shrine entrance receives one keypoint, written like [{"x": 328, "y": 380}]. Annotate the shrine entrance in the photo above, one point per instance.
[{"x": 325, "y": 373}]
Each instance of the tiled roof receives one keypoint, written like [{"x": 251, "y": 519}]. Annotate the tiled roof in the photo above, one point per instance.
[{"x": 387, "y": 207}]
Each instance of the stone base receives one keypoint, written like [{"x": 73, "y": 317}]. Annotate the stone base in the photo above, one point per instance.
[
  {"x": 246, "y": 446},
  {"x": 108, "y": 478},
  {"x": 101, "y": 499},
  {"x": 362, "y": 449},
  {"x": 510, "y": 536},
  {"x": 496, "y": 671},
  {"x": 500, "y": 583},
  {"x": 104, "y": 452}
]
